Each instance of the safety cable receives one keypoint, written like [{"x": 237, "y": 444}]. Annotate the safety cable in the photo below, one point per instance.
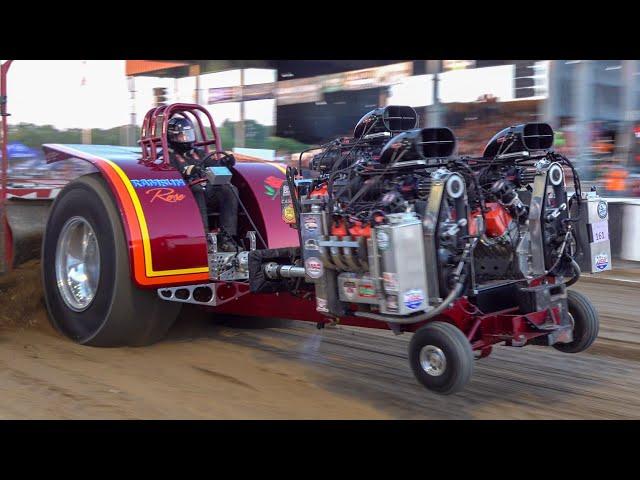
[{"x": 249, "y": 218}]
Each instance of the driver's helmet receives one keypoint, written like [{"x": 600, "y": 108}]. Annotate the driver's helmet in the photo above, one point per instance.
[{"x": 180, "y": 133}]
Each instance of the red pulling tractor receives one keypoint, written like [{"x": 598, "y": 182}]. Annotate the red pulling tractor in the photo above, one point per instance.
[{"x": 387, "y": 229}]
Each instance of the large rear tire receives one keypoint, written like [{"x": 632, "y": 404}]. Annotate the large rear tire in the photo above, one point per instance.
[
  {"x": 108, "y": 310},
  {"x": 441, "y": 357},
  {"x": 585, "y": 323}
]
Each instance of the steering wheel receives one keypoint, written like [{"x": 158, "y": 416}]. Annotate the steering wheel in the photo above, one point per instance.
[{"x": 226, "y": 159}]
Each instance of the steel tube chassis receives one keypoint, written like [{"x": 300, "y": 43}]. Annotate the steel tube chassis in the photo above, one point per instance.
[{"x": 482, "y": 329}]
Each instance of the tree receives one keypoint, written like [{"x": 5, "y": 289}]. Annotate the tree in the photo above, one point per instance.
[{"x": 257, "y": 136}]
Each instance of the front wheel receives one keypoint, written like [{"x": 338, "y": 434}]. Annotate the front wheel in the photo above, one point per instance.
[
  {"x": 89, "y": 292},
  {"x": 585, "y": 323},
  {"x": 441, "y": 357}
]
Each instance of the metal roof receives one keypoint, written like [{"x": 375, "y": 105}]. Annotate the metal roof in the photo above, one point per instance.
[{"x": 290, "y": 68}]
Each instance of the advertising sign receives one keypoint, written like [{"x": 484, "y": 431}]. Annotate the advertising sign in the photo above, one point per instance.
[
  {"x": 306, "y": 90},
  {"x": 223, "y": 94},
  {"x": 259, "y": 91}
]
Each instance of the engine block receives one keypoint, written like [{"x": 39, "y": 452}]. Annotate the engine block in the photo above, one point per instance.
[{"x": 394, "y": 225}]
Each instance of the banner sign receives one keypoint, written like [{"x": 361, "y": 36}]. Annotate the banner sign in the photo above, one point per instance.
[
  {"x": 224, "y": 94},
  {"x": 300, "y": 90},
  {"x": 306, "y": 90},
  {"x": 259, "y": 91},
  {"x": 457, "y": 64}
]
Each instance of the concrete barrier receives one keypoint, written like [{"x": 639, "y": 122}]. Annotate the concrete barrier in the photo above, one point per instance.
[
  {"x": 630, "y": 244},
  {"x": 624, "y": 227}
]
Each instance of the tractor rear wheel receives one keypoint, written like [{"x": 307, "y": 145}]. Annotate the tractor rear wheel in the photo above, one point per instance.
[
  {"x": 441, "y": 357},
  {"x": 89, "y": 292},
  {"x": 585, "y": 323}
]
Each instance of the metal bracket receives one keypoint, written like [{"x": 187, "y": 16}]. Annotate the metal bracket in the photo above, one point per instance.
[
  {"x": 251, "y": 235},
  {"x": 203, "y": 294},
  {"x": 213, "y": 242}
]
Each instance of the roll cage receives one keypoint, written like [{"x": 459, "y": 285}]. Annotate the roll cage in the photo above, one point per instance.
[{"x": 153, "y": 138}]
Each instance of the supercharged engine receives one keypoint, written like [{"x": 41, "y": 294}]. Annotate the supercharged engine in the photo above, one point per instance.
[{"x": 394, "y": 226}]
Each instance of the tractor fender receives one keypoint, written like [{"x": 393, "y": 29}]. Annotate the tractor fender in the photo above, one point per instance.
[
  {"x": 259, "y": 188},
  {"x": 165, "y": 235}
]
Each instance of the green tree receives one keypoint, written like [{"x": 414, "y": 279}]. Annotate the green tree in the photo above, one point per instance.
[{"x": 256, "y": 136}]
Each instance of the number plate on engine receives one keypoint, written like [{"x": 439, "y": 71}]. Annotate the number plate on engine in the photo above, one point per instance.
[{"x": 600, "y": 231}]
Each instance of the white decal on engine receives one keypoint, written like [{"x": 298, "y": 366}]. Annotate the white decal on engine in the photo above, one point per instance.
[
  {"x": 314, "y": 267},
  {"x": 413, "y": 299}
]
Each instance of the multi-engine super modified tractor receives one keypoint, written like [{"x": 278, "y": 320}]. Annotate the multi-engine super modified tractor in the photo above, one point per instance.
[{"x": 385, "y": 229}]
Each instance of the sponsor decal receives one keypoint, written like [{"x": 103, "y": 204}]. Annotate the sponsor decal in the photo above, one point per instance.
[
  {"x": 167, "y": 195},
  {"x": 367, "y": 290},
  {"x": 390, "y": 281},
  {"x": 350, "y": 288},
  {"x": 158, "y": 182},
  {"x": 602, "y": 209},
  {"x": 286, "y": 205},
  {"x": 600, "y": 231},
  {"x": 310, "y": 224},
  {"x": 272, "y": 186},
  {"x": 413, "y": 299},
  {"x": 314, "y": 268},
  {"x": 392, "y": 303},
  {"x": 289, "y": 214},
  {"x": 601, "y": 261},
  {"x": 321, "y": 305},
  {"x": 311, "y": 244},
  {"x": 383, "y": 240}
]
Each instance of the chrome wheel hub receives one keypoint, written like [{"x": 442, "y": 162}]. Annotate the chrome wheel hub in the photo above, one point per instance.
[
  {"x": 77, "y": 264},
  {"x": 433, "y": 360}
]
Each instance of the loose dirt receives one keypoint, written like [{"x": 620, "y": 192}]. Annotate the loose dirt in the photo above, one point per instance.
[
  {"x": 241, "y": 368},
  {"x": 21, "y": 296}
]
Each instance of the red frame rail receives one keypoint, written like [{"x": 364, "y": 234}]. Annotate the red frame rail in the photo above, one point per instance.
[{"x": 5, "y": 240}]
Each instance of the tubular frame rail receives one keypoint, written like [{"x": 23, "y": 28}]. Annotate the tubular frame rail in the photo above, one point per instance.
[{"x": 5, "y": 240}]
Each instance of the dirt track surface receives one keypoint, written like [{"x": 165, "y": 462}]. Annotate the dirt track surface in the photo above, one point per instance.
[{"x": 267, "y": 368}]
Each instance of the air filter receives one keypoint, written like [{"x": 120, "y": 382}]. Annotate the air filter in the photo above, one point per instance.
[
  {"x": 526, "y": 137},
  {"x": 391, "y": 119},
  {"x": 419, "y": 144},
  {"x": 437, "y": 142}
]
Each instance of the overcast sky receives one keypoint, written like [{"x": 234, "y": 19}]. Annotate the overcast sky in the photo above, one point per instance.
[{"x": 51, "y": 92}]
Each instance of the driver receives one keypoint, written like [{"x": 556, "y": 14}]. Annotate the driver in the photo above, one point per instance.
[{"x": 191, "y": 162}]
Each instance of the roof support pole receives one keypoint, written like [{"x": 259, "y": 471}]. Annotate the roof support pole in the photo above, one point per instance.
[
  {"x": 584, "y": 103},
  {"x": 239, "y": 127},
  {"x": 434, "y": 113},
  {"x": 550, "y": 106},
  {"x": 628, "y": 109}
]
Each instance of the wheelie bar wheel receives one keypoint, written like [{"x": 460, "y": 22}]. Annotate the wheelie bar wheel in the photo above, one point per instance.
[{"x": 441, "y": 357}]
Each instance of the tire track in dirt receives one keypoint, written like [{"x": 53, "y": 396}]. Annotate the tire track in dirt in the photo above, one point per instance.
[{"x": 270, "y": 368}]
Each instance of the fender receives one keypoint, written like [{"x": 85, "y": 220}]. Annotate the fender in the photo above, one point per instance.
[
  {"x": 162, "y": 223},
  {"x": 259, "y": 187},
  {"x": 164, "y": 231}
]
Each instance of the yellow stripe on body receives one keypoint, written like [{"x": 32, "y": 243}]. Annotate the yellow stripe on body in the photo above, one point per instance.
[
  {"x": 142, "y": 220},
  {"x": 145, "y": 231}
]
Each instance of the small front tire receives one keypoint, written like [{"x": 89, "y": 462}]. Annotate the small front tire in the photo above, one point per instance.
[
  {"x": 586, "y": 323},
  {"x": 441, "y": 357}
]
